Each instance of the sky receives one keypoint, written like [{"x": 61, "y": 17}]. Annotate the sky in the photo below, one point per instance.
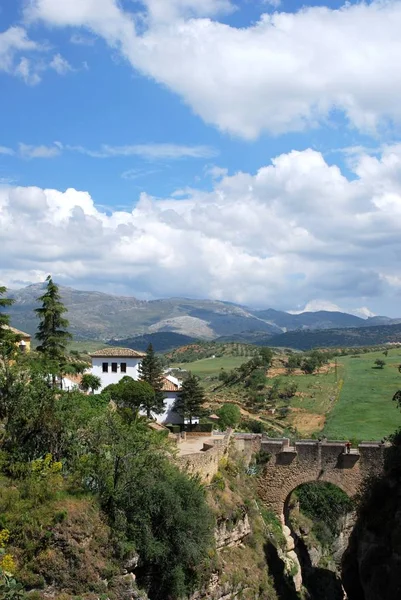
[{"x": 239, "y": 150}]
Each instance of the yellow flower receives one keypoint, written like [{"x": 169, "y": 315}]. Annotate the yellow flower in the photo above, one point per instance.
[
  {"x": 7, "y": 563},
  {"x": 4, "y": 537}
]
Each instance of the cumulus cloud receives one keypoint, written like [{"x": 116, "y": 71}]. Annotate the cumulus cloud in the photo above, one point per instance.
[
  {"x": 296, "y": 229},
  {"x": 286, "y": 72}
]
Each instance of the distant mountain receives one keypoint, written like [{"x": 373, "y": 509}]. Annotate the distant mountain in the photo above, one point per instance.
[
  {"x": 99, "y": 316},
  {"x": 321, "y": 319},
  {"x": 161, "y": 342},
  {"x": 337, "y": 338}
]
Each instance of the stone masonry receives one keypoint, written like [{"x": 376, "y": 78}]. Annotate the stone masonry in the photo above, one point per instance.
[{"x": 307, "y": 461}]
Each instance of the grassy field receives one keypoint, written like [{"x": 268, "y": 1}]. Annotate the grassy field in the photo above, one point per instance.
[
  {"x": 86, "y": 346},
  {"x": 352, "y": 402},
  {"x": 364, "y": 410},
  {"x": 211, "y": 367}
]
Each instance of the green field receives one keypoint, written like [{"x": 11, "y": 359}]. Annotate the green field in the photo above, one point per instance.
[
  {"x": 211, "y": 367},
  {"x": 87, "y": 346},
  {"x": 357, "y": 399},
  {"x": 364, "y": 410}
]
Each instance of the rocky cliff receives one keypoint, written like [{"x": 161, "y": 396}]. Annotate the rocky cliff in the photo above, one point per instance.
[{"x": 372, "y": 563}]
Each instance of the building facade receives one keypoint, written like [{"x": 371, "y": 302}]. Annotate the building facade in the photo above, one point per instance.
[{"x": 112, "y": 364}]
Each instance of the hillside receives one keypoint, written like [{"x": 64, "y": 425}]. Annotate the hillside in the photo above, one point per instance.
[
  {"x": 335, "y": 338},
  {"x": 100, "y": 316}
]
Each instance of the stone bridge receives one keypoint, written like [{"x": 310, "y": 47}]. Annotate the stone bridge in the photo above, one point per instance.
[{"x": 309, "y": 460}]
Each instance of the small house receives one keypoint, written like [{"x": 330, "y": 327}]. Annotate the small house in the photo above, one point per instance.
[{"x": 112, "y": 364}]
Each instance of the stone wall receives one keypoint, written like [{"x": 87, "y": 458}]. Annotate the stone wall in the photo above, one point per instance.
[
  {"x": 247, "y": 444},
  {"x": 206, "y": 462},
  {"x": 310, "y": 460}
]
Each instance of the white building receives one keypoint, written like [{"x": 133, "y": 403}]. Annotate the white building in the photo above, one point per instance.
[{"x": 112, "y": 364}]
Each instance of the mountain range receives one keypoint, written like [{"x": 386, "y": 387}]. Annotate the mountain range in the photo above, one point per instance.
[{"x": 100, "y": 316}]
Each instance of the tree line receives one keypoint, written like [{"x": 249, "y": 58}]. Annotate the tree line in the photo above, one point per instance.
[{"x": 56, "y": 443}]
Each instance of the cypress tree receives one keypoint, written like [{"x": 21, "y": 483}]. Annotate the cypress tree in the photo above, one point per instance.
[
  {"x": 190, "y": 398},
  {"x": 151, "y": 371},
  {"x": 52, "y": 330}
]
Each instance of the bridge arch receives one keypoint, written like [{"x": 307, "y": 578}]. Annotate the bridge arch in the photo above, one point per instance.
[{"x": 309, "y": 460}]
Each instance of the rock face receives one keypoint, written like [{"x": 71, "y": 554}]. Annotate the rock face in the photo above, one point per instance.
[
  {"x": 372, "y": 563},
  {"x": 229, "y": 534}
]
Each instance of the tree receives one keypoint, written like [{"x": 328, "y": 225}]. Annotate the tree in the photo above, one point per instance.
[
  {"x": 52, "y": 330},
  {"x": 190, "y": 398},
  {"x": 151, "y": 371},
  {"x": 151, "y": 505},
  {"x": 229, "y": 415},
  {"x": 4, "y": 302},
  {"x": 379, "y": 363},
  {"x": 90, "y": 382},
  {"x": 293, "y": 363},
  {"x": 136, "y": 395},
  {"x": 265, "y": 357}
]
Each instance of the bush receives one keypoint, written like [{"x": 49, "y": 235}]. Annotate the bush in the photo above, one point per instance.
[
  {"x": 229, "y": 415},
  {"x": 199, "y": 427}
]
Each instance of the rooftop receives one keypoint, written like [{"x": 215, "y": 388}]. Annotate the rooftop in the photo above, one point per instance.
[
  {"x": 169, "y": 386},
  {"x": 112, "y": 352},
  {"x": 17, "y": 331}
]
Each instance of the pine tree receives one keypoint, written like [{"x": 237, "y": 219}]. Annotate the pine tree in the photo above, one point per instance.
[
  {"x": 4, "y": 318},
  {"x": 190, "y": 398},
  {"x": 151, "y": 371},
  {"x": 8, "y": 339},
  {"x": 52, "y": 330}
]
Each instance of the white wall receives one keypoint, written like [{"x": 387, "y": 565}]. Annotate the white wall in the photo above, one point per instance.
[
  {"x": 110, "y": 377},
  {"x": 169, "y": 416}
]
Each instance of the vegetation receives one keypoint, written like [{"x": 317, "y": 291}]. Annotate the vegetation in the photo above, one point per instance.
[
  {"x": 229, "y": 416},
  {"x": 73, "y": 467},
  {"x": 362, "y": 411},
  {"x": 52, "y": 330},
  {"x": 325, "y": 504},
  {"x": 151, "y": 372},
  {"x": 134, "y": 395},
  {"x": 190, "y": 399},
  {"x": 4, "y": 302},
  {"x": 90, "y": 382}
]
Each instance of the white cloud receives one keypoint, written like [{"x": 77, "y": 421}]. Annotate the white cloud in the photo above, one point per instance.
[
  {"x": 60, "y": 65},
  {"x": 149, "y": 151},
  {"x": 296, "y": 229},
  {"x": 13, "y": 41},
  {"x": 363, "y": 312},
  {"x": 273, "y": 3},
  {"x": 27, "y": 151},
  {"x": 132, "y": 174},
  {"x": 5, "y": 150},
  {"x": 317, "y": 305},
  {"x": 286, "y": 72},
  {"x": 82, "y": 40}
]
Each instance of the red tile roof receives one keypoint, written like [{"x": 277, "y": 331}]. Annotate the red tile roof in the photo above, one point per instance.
[{"x": 169, "y": 386}]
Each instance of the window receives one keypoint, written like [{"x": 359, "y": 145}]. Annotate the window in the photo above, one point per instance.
[
  {"x": 114, "y": 367},
  {"x": 123, "y": 367},
  {"x": 105, "y": 367}
]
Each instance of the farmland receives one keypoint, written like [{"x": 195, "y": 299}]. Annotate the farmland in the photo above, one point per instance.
[{"x": 347, "y": 400}]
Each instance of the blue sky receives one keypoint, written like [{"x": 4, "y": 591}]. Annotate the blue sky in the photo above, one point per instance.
[{"x": 166, "y": 115}]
